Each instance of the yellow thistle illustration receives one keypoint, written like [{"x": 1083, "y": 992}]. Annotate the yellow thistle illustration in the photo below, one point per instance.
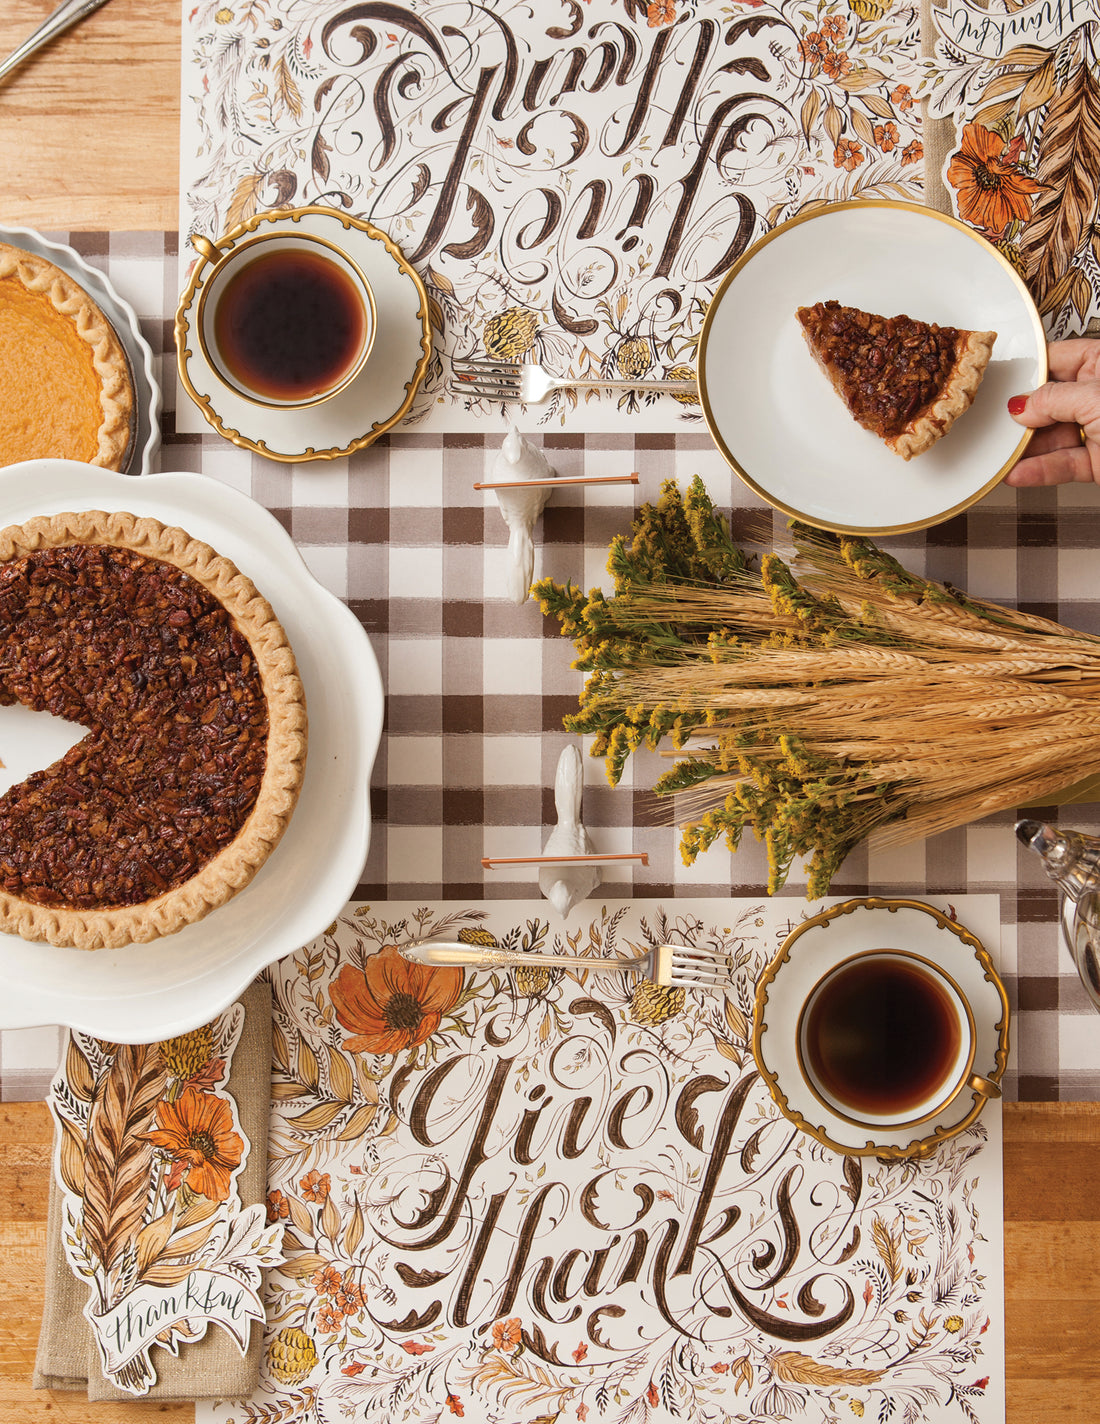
[
  {"x": 655, "y": 1003},
  {"x": 510, "y": 335},
  {"x": 1012, "y": 254},
  {"x": 531, "y": 980},
  {"x": 291, "y": 1355},
  {"x": 634, "y": 357},
  {"x": 470, "y": 935},
  {"x": 683, "y": 373}
]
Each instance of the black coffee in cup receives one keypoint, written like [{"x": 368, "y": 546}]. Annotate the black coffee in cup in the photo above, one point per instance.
[{"x": 882, "y": 1036}]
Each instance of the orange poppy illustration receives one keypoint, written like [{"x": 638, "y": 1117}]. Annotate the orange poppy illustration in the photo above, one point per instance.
[
  {"x": 197, "y": 1133},
  {"x": 848, "y": 154},
  {"x": 508, "y": 1334},
  {"x": 392, "y": 1004},
  {"x": 991, "y": 188},
  {"x": 315, "y": 1186},
  {"x": 813, "y": 47},
  {"x": 277, "y": 1207}
]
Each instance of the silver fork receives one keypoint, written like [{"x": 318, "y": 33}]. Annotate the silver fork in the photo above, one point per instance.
[
  {"x": 530, "y": 383},
  {"x": 673, "y": 964},
  {"x": 62, "y": 18}
]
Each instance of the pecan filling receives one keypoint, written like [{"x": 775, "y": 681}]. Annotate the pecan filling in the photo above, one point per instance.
[
  {"x": 887, "y": 369},
  {"x": 150, "y": 662}
]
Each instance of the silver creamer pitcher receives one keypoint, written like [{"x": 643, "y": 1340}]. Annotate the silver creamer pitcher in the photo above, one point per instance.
[{"x": 1072, "y": 860}]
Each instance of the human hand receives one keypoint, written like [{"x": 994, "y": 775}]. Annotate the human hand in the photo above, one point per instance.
[{"x": 1065, "y": 413}]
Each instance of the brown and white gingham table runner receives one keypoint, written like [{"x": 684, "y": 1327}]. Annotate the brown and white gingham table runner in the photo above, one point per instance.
[{"x": 476, "y": 687}]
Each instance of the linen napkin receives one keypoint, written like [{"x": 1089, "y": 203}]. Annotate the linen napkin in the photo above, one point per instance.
[
  {"x": 939, "y": 136},
  {"x": 212, "y": 1366}
]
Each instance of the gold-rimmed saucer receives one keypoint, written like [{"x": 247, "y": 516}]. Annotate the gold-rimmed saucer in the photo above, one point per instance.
[
  {"x": 815, "y": 947},
  {"x": 379, "y": 397}
]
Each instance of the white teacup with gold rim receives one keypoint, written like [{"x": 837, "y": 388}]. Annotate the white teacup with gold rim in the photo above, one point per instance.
[
  {"x": 284, "y": 319},
  {"x": 886, "y": 1039},
  {"x": 881, "y": 1027}
]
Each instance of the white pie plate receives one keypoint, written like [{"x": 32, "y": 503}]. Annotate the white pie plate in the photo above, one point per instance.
[
  {"x": 779, "y": 423},
  {"x": 815, "y": 947},
  {"x": 150, "y": 991},
  {"x": 123, "y": 318}
]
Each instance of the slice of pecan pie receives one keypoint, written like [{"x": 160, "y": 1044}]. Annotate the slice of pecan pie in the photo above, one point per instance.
[
  {"x": 196, "y": 729},
  {"x": 905, "y": 381}
]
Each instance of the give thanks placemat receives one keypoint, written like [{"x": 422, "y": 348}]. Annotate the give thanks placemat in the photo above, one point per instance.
[
  {"x": 573, "y": 180},
  {"x": 566, "y": 1195}
]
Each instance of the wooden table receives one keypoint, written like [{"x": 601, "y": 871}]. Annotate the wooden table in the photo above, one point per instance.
[
  {"x": 91, "y": 123},
  {"x": 1052, "y": 1267},
  {"x": 91, "y": 142}
]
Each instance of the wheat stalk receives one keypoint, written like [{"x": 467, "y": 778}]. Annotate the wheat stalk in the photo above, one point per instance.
[
  {"x": 1067, "y": 164},
  {"x": 118, "y": 1157},
  {"x": 822, "y": 701}
]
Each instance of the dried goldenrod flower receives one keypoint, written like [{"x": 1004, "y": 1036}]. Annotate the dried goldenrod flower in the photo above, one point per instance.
[{"x": 820, "y": 700}]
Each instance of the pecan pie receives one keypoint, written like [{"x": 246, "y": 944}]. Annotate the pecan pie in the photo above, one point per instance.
[
  {"x": 905, "y": 381},
  {"x": 196, "y": 740},
  {"x": 65, "y": 387}
]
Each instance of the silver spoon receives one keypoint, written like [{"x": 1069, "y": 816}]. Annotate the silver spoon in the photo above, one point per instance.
[{"x": 63, "y": 17}]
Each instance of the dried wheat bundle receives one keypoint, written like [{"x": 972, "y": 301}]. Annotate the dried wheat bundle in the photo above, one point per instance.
[{"x": 822, "y": 700}]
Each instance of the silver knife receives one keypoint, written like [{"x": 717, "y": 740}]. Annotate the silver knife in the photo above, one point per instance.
[{"x": 63, "y": 17}]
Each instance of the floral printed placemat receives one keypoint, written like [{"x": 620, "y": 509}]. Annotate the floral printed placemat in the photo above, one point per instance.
[
  {"x": 572, "y": 180},
  {"x": 565, "y": 1195},
  {"x": 1014, "y": 105}
]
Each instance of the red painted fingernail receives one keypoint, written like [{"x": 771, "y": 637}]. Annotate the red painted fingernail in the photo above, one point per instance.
[{"x": 1017, "y": 405}]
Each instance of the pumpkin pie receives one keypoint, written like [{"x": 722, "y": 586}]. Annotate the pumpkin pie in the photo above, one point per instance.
[
  {"x": 904, "y": 380},
  {"x": 196, "y": 729},
  {"x": 65, "y": 386}
]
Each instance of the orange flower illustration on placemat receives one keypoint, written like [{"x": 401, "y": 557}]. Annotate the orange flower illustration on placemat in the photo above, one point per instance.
[
  {"x": 992, "y": 190},
  {"x": 392, "y": 1004},
  {"x": 197, "y": 1133}
]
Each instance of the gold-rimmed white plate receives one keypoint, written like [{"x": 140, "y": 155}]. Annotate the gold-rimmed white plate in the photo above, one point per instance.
[
  {"x": 818, "y": 945},
  {"x": 382, "y": 393},
  {"x": 777, "y": 420}
]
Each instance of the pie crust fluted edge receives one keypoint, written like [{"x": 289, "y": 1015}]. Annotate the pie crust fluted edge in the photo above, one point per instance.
[
  {"x": 957, "y": 396},
  {"x": 287, "y": 739}
]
